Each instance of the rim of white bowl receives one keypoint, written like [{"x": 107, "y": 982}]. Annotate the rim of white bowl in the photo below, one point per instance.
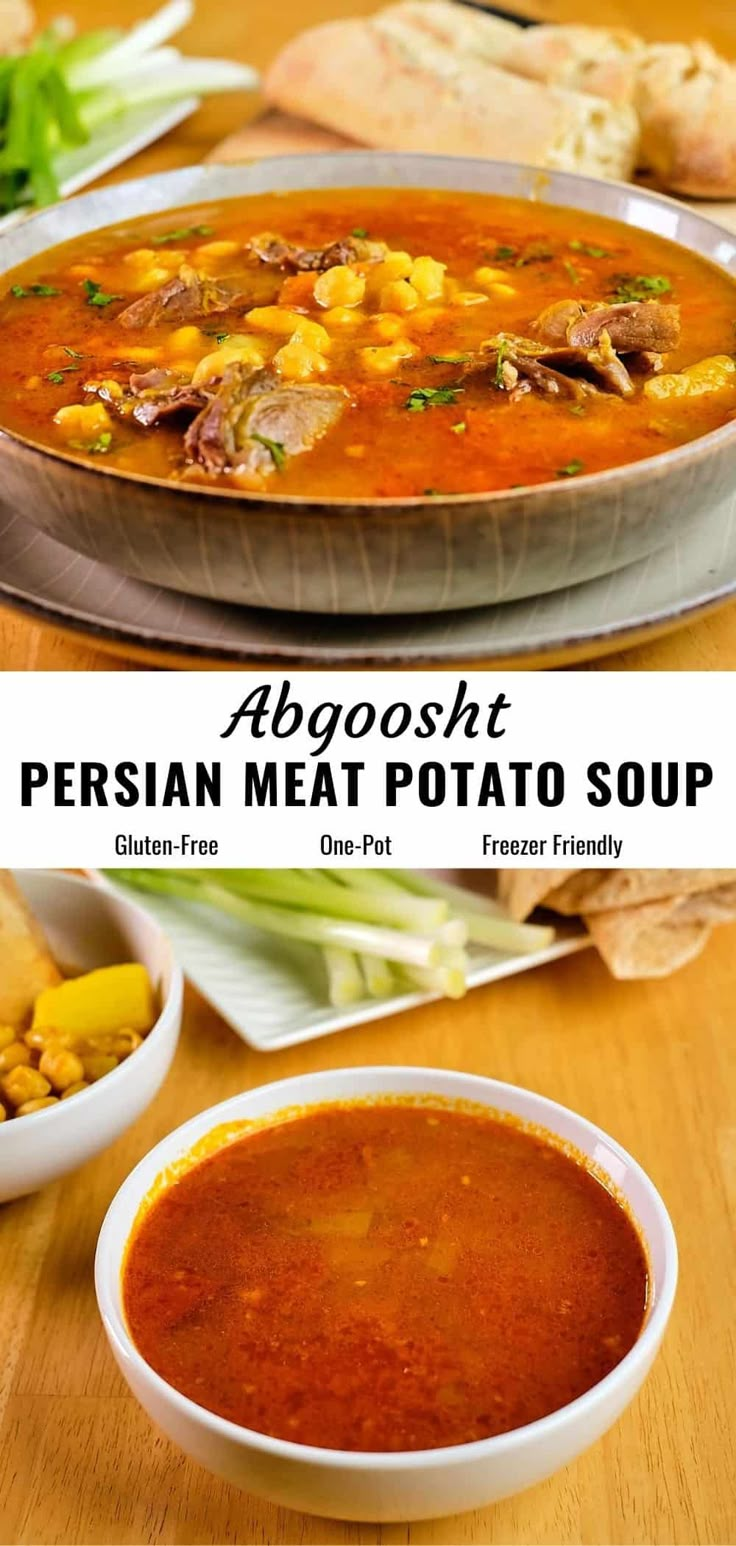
[
  {"x": 108, "y": 1268},
  {"x": 171, "y": 1002}
]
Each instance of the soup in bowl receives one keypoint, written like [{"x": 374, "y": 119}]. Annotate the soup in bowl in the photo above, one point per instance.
[
  {"x": 368, "y": 383},
  {"x": 386, "y": 1293}
]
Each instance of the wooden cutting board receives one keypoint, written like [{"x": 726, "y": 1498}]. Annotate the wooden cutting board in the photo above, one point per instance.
[{"x": 279, "y": 134}]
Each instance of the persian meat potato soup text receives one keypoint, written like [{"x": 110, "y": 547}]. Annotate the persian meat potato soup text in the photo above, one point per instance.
[{"x": 367, "y": 344}]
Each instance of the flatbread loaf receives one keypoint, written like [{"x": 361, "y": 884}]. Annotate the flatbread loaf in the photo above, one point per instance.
[
  {"x": 393, "y": 85},
  {"x": 686, "y": 101},
  {"x": 26, "y": 963},
  {"x": 595, "y": 59}
]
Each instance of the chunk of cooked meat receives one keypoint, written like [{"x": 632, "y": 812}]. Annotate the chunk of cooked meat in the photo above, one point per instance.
[
  {"x": 634, "y": 327},
  {"x": 254, "y": 419},
  {"x": 511, "y": 362},
  {"x": 188, "y": 297},
  {"x": 278, "y": 253},
  {"x": 159, "y": 393}
]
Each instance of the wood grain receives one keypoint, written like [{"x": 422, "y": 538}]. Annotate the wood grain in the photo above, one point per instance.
[
  {"x": 254, "y": 33},
  {"x": 653, "y": 1063}
]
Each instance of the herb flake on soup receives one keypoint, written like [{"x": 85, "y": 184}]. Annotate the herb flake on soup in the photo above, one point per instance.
[
  {"x": 328, "y": 344},
  {"x": 385, "y": 1277}
]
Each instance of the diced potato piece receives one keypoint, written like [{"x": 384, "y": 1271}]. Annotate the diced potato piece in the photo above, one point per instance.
[
  {"x": 60, "y": 1066},
  {"x": 15, "y": 1055},
  {"x": 395, "y": 265},
  {"x": 142, "y": 257},
  {"x": 344, "y": 316},
  {"x": 710, "y": 375},
  {"x": 298, "y": 362},
  {"x": 399, "y": 295},
  {"x": 151, "y": 278},
  {"x": 184, "y": 339},
  {"x": 339, "y": 286},
  {"x": 489, "y": 276},
  {"x": 23, "y": 1084},
  {"x": 467, "y": 298},
  {"x": 387, "y": 325},
  {"x": 249, "y": 350},
  {"x": 29, "y": 1106},
  {"x": 428, "y": 278},
  {"x": 503, "y": 291},
  {"x": 83, "y": 421},
  {"x": 383, "y": 361},
  {"x": 112, "y": 998},
  {"x": 222, "y": 249}
]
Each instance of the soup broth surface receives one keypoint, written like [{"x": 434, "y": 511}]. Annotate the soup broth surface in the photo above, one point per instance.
[
  {"x": 388, "y": 1277},
  {"x": 414, "y": 416}
]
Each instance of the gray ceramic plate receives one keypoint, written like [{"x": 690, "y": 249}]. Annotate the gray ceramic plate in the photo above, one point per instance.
[
  {"x": 61, "y": 587},
  {"x": 371, "y": 556}
]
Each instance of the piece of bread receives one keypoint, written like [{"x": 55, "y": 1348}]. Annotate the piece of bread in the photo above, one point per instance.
[
  {"x": 599, "y": 60},
  {"x": 469, "y": 34},
  {"x": 686, "y": 101},
  {"x": 26, "y": 963},
  {"x": 407, "y": 91},
  {"x": 16, "y": 25}
]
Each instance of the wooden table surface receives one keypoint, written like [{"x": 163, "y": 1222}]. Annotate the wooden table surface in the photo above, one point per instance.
[
  {"x": 653, "y": 1063},
  {"x": 254, "y": 32}
]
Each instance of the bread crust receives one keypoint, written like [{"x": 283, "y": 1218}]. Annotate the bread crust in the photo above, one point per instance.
[{"x": 686, "y": 100}]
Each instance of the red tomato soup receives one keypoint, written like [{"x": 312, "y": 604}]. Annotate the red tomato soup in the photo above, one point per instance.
[{"x": 385, "y": 1277}]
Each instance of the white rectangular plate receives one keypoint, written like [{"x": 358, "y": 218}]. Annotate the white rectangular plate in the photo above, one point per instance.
[
  {"x": 121, "y": 138},
  {"x": 272, "y": 991}
]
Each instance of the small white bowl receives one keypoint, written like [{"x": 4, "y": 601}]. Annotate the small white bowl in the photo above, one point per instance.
[
  {"x": 417, "y": 1484},
  {"x": 88, "y": 926}
]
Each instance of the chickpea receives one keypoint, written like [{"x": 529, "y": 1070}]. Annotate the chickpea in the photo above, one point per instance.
[
  {"x": 503, "y": 291},
  {"x": 428, "y": 278},
  {"x": 398, "y": 295},
  {"x": 222, "y": 249},
  {"x": 184, "y": 339},
  {"x": 83, "y": 421},
  {"x": 124, "y": 1043},
  {"x": 395, "y": 265},
  {"x": 142, "y": 257},
  {"x": 22, "y": 1084},
  {"x": 60, "y": 1066},
  {"x": 344, "y": 316},
  {"x": 74, "y": 1089},
  {"x": 152, "y": 278},
  {"x": 7, "y": 1036},
  {"x": 40, "y": 1036},
  {"x": 339, "y": 286},
  {"x": 3, "y": 1112},
  {"x": 387, "y": 325},
  {"x": 29, "y": 1106},
  {"x": 298, "y": 362},
  {"x": 489, "y": 276},
  {"x": 384, "y": 361},
  {"x": 96, "y": 1065},
  {"x": 15, "y": 1055}
]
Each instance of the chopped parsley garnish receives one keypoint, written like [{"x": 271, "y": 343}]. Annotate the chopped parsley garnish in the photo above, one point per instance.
[
  {"x": 221, "y": 337},
  {"x": 571, "y": 470},
  {"x": 448, "y": 359},
  {"x": 431, "y": 397},
  {"x": 360, "y": 232},
  {"x": 57, "y": 376},
  {"x": 72, "y": 353},
  {"x": 95, "y": 294},
  {"x": 502, "y": 254},
  {"x": 536, "y": 252},
  {"x": 639, "y": 287},
  {"x": 181, "y": 234},
  {"x": 571, "y": 271},
  {"x": 590, "y": 252},
  {"x": 98, "y": 446},
  {"x": 459, "y": 428},
  {"x": 276, "y": 449},
  {"x": 21, "y": 292}
]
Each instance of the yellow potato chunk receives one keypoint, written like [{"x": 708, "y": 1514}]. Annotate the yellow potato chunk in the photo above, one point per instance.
[
  {"x": 23, "y": 1084},
  {"x": 344, "y": 316},
  {"x": 489, "y": 276},
  {"x": 468, "y": 298},
  {"x": 249, "y": 350},
  {"x": 184, "y": 339},
  {"x": 298, "y": 362},
  {"x": 428, "y": 278},
  {"x": 339, "y": 286},
  {"x": 711, "y": 375},
  {"x": 387, "y": 325},
  {"x": 223, "y": 249},
  {"x": 83, "y": 421},
  {"x": 383, "y": 361},
  {"x": 282, "y": 320},
  {"x": 398, "y": 295},
  {"x": 112, "y": 998}
]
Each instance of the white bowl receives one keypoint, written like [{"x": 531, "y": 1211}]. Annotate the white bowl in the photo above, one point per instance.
[
  {"x": 397, "y": 1486},
  {"x": 88, "y": 926}
]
